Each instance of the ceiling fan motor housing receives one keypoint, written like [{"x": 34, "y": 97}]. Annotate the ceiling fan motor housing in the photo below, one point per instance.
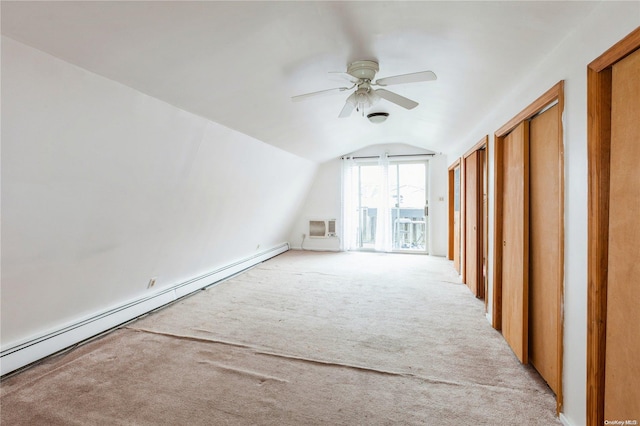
[{"x": 365, "y": 70}]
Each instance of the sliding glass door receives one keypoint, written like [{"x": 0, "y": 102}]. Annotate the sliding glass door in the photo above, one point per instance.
[
  {"x": 387, "y": 203},
  {"x": 369, "y": 202},
  {"x": 409, "y": 211}
]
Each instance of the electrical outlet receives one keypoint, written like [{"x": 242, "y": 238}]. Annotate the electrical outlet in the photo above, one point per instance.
[
  {"x": 304, "y": 236},
  {"x": 152, "y": 282}
]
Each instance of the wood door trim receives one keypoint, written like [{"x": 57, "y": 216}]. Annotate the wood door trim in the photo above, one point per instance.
[
  {"x": 561, "y": 270},
  {"x": 598, "y": 152},
  {"x": 454, "y": 164},
  {"x": 534, "y": 108},
  {"x": 463, "y": 222},
  {"x": 617, "y": 52},
  {"x": 498, "y": 167},
  {"x": 482, "y": 143},
  {"x": 554, "y": 94},
  {"x": 485, "y": 226}
]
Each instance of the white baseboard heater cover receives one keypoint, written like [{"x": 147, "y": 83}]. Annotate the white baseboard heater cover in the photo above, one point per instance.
[{"x": 20, "y": 355}]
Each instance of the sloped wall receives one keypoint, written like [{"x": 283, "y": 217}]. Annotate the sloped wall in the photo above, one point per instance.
[
  {"x": 323, "y": 202},
  {"x": 104, "y": 188}
]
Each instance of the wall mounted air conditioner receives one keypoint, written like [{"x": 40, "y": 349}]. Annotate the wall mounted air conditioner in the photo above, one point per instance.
[{"x": 322, "y": 228}]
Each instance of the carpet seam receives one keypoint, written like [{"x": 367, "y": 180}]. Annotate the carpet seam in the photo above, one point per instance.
[{"x": 259, "y": 351}]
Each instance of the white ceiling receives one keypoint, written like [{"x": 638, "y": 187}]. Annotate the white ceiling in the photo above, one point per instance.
[{"x": 238, "y": 63}]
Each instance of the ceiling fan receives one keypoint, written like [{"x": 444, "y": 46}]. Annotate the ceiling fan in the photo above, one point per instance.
[{"x": 361, "y": 75}]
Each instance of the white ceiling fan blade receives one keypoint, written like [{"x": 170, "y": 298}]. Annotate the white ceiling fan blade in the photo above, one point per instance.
[
  {"x": 299, "y": 98},
  {"x": 342, "y": 76},
  {"x": 349, "y": 106},
  {"x": 407, "y": 78},
  {"x": 396, "y": 99}
]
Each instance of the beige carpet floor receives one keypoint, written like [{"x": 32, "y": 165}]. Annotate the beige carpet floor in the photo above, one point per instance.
[{"x": 302, "y": 339}]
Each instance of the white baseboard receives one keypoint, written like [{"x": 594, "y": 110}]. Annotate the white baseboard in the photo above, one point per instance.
[
  {"x": 335, "y": 250},
  {"x": 36, "y": 348},
  {"x": 564, "y": 420}
]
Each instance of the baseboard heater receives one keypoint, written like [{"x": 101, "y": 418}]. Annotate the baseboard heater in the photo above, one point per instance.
[{"x": 23, "y": 354}]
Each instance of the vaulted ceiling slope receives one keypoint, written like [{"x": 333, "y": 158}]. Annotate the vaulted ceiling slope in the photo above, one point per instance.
[{"x": 239, "y": 63}]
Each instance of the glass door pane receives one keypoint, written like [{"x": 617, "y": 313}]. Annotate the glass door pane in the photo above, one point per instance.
[
  {"x": 368, "y": 199},
  {"x": 408, "y": 183}
]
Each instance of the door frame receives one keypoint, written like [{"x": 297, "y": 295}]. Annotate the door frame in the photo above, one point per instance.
[
  {"x": 482, "y": 144},
  {"x": 599, "y": 81},
  {"x": 550, "y": 97}
]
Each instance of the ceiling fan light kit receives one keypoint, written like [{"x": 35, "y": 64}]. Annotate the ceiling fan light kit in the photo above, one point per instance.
[
  {"x": 378, "y": 117},
  {"x": 361, "y": 74}
]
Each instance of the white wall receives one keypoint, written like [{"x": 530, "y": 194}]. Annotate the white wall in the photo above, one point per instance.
[
  {"x": 323, "y": 202},
  {"x": 608, "y": 23},
  {"x": 438, "y": 196},
  {"x": 104, "y": 188},
  {"x": 324, "y": 199}
]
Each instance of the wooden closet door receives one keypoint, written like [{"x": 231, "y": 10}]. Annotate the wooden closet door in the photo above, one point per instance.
[
  {"x": 456, "y": 218},
  {"x": 545, "y": 227},
  {"x": 622, "y": 372},
  {"x": 472, "y": 215},
  {"x": 515, "y": 244},
  {"x": 484, "y": 201}
]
